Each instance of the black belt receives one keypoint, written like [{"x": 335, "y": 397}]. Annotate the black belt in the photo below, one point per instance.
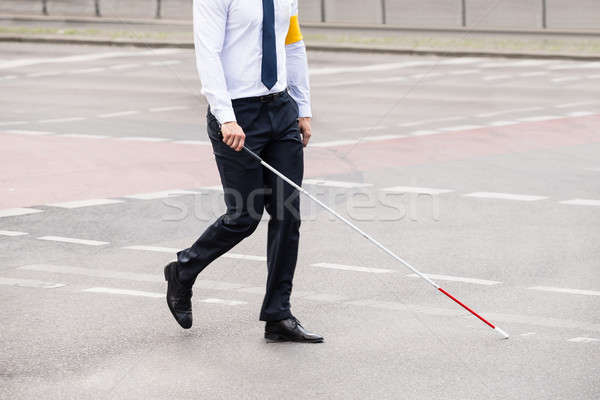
[{"x": 267, "y": 98}]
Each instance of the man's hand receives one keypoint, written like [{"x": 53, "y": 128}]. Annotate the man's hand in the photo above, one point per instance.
[
  {"x": 233, "y": 135},
  {"x": 304, "y": 125}
]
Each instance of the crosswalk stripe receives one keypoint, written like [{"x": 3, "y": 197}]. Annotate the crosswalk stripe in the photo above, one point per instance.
[
  {"x": 126, "y": 292},
  {"x": 565, "y": 290},
  {"x": 457, "y": 279},
  {"x": 352, "y": 268},
  {"x": 418, "y": 190},
  {"x": 160, "y": 195},
  {"x": 62, "y": 239},
  {"x": 13, "y": 212},
  {"x": 505, "y": 196},
  {"x": 582, "y": 202},
  {"x": 12, "y": 233},
  {"x": 340, "y": 184},
  {"x": 85, "y": 203},
  {"x": 583, "y": 340}
]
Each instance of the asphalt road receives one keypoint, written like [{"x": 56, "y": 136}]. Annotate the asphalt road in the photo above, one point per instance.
[{"x": 481, "y": 172}]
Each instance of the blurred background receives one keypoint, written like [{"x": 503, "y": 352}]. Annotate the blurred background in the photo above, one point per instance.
[{"x": 517, "y": 14}]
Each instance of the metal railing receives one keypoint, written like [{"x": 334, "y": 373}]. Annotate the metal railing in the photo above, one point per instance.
[{"x": 323, "y": 9}]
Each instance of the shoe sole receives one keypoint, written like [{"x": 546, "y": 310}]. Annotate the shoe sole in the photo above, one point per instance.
[
  {"x": 276, "y": 338},
  {"x": 169, "y": 304}
]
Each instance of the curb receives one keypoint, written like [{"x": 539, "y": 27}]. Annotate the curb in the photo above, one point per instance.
[{"x": 310, "y": 46}]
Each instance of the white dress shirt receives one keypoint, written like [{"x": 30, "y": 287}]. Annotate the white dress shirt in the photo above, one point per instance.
[{"x": 228, "y": 42}]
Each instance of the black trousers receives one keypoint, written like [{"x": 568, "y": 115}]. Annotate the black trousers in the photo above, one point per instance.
[{"x": 271, "y": 129}]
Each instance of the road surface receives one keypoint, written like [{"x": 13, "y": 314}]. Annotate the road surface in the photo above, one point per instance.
[{"x": 483, "y": 173}]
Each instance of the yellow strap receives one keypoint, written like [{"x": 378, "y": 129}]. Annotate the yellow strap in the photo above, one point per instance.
[{"x": 294, "y": 35}]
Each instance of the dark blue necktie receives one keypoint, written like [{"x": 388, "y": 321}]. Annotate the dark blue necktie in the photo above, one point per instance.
[{"x": 269, "y": 57}]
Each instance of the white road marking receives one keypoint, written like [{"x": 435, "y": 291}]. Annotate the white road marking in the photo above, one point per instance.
[
  {"x": 86, "y": 70},
  {"x": 503, "y": 123},
  {"x": 42, "y": 74},
  {"x": 576, "y": 66},
  {"x": 352, "y": 268},
  {"x": 426, "y": 75},
  {"x": 429, "y": 121},
  {"x": 583, "y": 340},
  {"x": 382, "y": 137},
  {"x": 244, "y": 257},
  {"x": 340, "y": 184},
  {"x": 193, "y": 142},
  {"x": 424, "y": 133},
  {"x": 461, "y": 128},
  {"x": 96, "y": 273},
  {"x": 515, "y": 110},
  {"x": 496, "y": 77},
  {"x": 73, "y": 240},
  {"x": 505, "y": 196},
  {"x": 125, "y": 292},
  {"x": 450, "y": 278},
  {"x": 13, "y": 212},
  {"x": 365, "y": 128},
  {"x": 54, "y": 120},
  {"x": 166, "y": 62},
  {"x": 85, "y": 203},
  {"x": 389, "y": 79},
  {"x": 464, "y": 72},
  {"x": 118, "y": 114},
  {"x": 157, "y": 249},
  {"x": 7, "y": 77},
  {"x": 29, "y": 133},
  {"x": 85, "y": 57},
  {"x": 83, "y": 136},
  {"x": 582, "y": 113},
  {"x": 169, "y": 108},
  {"x": 143, "y": 139},
  {"x": 223, "y": 301},
  {"x": 524, "y": 63},
  {"x": 339, "y": 83},
  {"x": 160, "y": 195},
  {"x": 369, "y": 68},
  {"x": 218, "y": 188},
  {"x": 418, "y": 190},
  {"x": 565, "y": 290},
  {"x": 577, "y": 104},
  {"x": 124, "y": 66},
  {"x": 596, "y": 76},
  {"x": 527, "y": 334},
  {"x": 460, "y": 61},
  {"x": 534, "y": 73},
  {"x": 335, "y": 143},
  {"x": 11, "y": 123},
  {"x": 32, "y": 283},
  {"x": 567, "y": 79},
  {"x": 540, "y": 118},
  {"x": 174, "y": 250},
  {"x": 582, "y": 202},
  {"x": 12, "y": 233}
]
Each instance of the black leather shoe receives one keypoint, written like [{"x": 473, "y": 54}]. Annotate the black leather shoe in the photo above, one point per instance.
[
  {"x": 289, "y": 330},
  {"x": 179, "y": 297}
]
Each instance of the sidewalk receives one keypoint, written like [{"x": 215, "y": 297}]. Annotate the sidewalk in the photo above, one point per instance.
[{"x": 584, "y": 45}]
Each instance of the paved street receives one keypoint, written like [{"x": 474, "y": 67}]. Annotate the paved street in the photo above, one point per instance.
[{"x": 483, "y": 173}]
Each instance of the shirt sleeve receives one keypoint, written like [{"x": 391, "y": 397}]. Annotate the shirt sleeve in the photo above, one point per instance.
[
  {"x": 210, "y": 19},
  {"x": 297, "y": 65}
]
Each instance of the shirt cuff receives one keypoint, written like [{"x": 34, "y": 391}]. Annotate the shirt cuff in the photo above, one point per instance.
[
  {"x": 225, "y": 115},
  {"x": 304, "y": 110}
]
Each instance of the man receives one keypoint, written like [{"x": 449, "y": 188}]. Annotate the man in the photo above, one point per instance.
[{"x": 252, "y": 63}]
